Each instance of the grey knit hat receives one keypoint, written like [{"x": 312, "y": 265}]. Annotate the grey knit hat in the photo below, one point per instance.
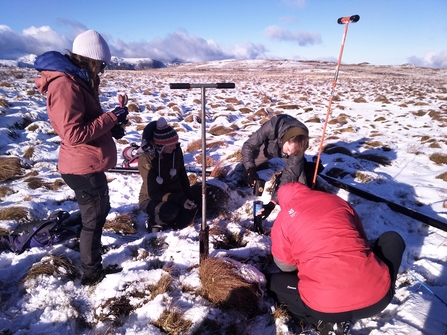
[{"x": 92, "y": 45}]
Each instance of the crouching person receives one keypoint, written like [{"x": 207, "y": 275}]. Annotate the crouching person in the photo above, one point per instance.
[
  {"x": 165, "y": 193},
  {"x": 331, "y": 276}
]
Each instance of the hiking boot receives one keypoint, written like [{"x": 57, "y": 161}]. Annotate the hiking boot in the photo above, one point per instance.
[{"x": 93, "y": 280}]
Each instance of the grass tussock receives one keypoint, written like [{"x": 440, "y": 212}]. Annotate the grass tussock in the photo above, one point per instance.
[
  {"x": 221, "y": 130},
  {"x": 219, "y": 171},
  {"x": 382, "y": 160},
  {"x": 52, "y": 266},
  {"x": 5, "y": 190},
  {"x": 13, "y": 213},
  {"x": 209, "y": 162},
  {"x": 438, "y": 158},
  {"x": 237, "y": 156},
  {"x": 10, "y": 168},
  {"x": 216, "y": 198},
  {"x": 227, "y": 240},
  {"x": 115, "y": 310},
  {"x": 122, "y": 224},
  {"x": 442, "y": 176},
  {"x": 161, "y": 287},
  {"x": 224, "y": 287},
  {"x": 173, "y": 322},
  {"x": 37, "y": 182}
]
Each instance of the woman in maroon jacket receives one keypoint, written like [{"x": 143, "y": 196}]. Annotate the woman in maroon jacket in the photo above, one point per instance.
[
  {"x": 331, "y": 275},
  {"x": 87, "y": 148}
]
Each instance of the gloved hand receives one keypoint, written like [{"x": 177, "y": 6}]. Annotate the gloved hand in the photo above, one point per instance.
[
  {"x": 117, "y": 131},
  {"x": 189, "y": 204},
  {"x": 267, "y": 209},
  {"x": 252, "y": 175},
  {"x": 121, "y": 113}
]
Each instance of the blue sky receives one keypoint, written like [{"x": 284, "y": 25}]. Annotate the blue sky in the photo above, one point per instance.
[{"x": 390, "y": 32}]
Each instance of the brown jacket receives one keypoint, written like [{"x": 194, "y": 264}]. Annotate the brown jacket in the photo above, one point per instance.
[{"x": 87, "y": 145}]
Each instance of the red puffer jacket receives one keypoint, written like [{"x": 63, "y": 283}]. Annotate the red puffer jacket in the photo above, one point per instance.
[
  {"x": 87, "y": 145},
  {"x": 323, "y": 236}
]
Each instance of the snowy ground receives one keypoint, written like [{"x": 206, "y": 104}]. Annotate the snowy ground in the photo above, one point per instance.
[{"x": 398, "y": 114}]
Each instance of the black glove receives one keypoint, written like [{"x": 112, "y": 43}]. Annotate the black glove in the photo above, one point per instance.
[
  {"x": 121, "y": 113},
  {"x": 267, "y": 209},
  {"x": 117, "y": 131},
  {"x": 252, "y": 175}
]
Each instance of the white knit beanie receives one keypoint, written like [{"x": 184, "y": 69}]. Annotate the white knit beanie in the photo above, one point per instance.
[{"x": 92, "y": 45}]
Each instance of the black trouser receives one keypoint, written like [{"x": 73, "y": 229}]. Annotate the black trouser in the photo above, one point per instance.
[
  {"x": 92, "y": 194},
  {"x": 167, "y": 214},
  {"x": 389, "y": 247}
]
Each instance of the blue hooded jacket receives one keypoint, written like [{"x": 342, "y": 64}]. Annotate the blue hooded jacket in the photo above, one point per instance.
[{"x": 55, "y": 61}]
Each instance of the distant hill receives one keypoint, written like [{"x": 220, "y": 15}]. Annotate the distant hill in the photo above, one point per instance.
[{"x": 117, "y": 63}]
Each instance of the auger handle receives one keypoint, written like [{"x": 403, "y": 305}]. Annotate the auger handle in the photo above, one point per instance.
[
  {"x": 350, "y": 19},
  {"x": 176, "y": 86}
]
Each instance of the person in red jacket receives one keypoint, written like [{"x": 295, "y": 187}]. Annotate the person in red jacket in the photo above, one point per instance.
[
  {"x": 87, "y": 149},
  {"x": 330, "y": 272}
]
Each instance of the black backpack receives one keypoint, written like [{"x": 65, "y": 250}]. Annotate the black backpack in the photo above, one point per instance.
[{"x": 40, "y": 233}]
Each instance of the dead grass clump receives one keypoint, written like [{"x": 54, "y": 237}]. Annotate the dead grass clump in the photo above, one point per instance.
[
  {"x": 221, "y": 130},
  {"x": 28, "y": 152},
  {"x": 133, "y": 108},
  {"x": 10, "y": 168},
  {"x": 363, "y": 177},
  {"x": 208, "y": 160},
  {"x": 419, "y": 113},
  {"x": 4, "y": 103},
  {"x": 135, "y": 118},
  {"x": 233, "y": 101},
  {"x": 438, "y": 158},
  {"x": 13, "y": 213},
  {"x": 52, "y": 266},
  {"x": 245, "y": 110},
  {"x": 360, "y": 100},
  {"x": 194, "y": 146},
  {"x": 121, "y": 224},
  {"x": 261, "y": 113},
  {"x": 382, "y": 99},
  {"x": 5, "y": 84},
  {"x": 172, "y": 322},
  {"x": 162, "y": 286},
  {"x": 37, "y": 182},
  {"x": 219, "y": 171},
  {"x": 237, "y": 156},
  {"x": 289, "y": 107},
  {"x": 224, "y": 287},
  {"x": 116, "y": 310},
  {"x": 5, "y": 190},
  {"x": 442, "y": 176},
  {"x": 314, "y": 119}
]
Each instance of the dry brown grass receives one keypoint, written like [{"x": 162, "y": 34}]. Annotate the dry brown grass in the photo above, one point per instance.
[
  {"x": 172, "y": 322},
  {"x": 224, "y": 287},
  {"x": 52, "y": 266},
  {"x": 116, "y": 310},
  {"x": 237, "y": 156},
  {"x": 216, "y": 198},
  {"x": 10, "y": 168},
  {"x": 442, "y": 176},
  {"x": 122, "y": 224},
  {"x": 219, "y": 171},
  {"x": 438, "y": 158},
  {"x": 209, "y": 162},
  {"x": 4, "y": 103},
  {"x": 221, "y": 130},
  {"x": 37, "y": 182},
  {"x": 13, "y": 213},
  {"x": 162, "y": 286},
  {"x": 5, "y": 190}
]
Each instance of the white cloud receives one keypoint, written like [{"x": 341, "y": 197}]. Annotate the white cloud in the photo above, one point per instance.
[
  {"x": 431, "y": 59},
  {"x": 303, "y": 38}
]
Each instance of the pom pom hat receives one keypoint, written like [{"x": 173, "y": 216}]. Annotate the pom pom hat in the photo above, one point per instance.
[
  {"x": 92, "y": 45},
  {"x": 164, "y": 134}
]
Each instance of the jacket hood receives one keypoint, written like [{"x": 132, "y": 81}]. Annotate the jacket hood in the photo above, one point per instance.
[
  {"x": 55, "y": 61},
  {"x": 291, "y": 192}
]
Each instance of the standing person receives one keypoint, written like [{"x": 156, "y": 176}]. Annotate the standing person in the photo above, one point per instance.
[
  {"x": 331, "y": 275},
  {"x": 71, "y": 83},
  {"x": 165, "y": 194},
  {"x": 284, "y": 137}
]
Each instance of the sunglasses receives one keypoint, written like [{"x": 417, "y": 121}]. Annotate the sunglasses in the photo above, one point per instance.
[{"x": 103, "y": 66}]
